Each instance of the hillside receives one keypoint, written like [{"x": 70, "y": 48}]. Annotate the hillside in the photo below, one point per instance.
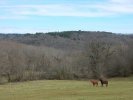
[
  {"x": 65, "y": 55},
  {"x": 67, "y": 40}
]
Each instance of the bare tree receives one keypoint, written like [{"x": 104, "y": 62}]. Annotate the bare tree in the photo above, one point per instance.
[{"x": 98, "y": 54}]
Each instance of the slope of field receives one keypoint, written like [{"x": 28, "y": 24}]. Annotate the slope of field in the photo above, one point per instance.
[{"x": 119, "y": 89}]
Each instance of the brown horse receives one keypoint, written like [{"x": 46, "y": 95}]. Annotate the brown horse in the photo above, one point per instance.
[
  {"x": 94, "y": 82},
  {"x": 103, "y": 81}
]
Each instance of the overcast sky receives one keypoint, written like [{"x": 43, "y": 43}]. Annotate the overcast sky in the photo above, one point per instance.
[{"x": 22, "y": 16}]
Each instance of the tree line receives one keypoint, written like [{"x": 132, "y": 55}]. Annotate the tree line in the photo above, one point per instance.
[{"x": 20, "y": 62}]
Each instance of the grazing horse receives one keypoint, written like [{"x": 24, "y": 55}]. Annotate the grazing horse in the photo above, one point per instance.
[
  {"x": 103, "y": 81},
  {"x": 94, "y": 82}
]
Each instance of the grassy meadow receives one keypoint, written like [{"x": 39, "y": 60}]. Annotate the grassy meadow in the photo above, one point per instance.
[{"x": 119, "y": 89}]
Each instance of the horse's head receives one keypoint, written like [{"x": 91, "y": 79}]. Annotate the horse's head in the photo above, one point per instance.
[
  {"x": 101, "y": 78},
  {"x": 91, "y": 80}
]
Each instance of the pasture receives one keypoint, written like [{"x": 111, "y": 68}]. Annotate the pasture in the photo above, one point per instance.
[{"x": 118, "y": 89}]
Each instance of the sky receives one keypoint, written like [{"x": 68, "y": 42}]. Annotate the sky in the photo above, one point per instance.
[{"x": 31, "y": 16}]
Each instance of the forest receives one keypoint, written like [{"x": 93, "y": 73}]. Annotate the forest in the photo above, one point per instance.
[{"x": 67, "y": 55}]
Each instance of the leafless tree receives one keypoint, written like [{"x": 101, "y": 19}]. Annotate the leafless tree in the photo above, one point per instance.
[{"x": 98, "y": 54}]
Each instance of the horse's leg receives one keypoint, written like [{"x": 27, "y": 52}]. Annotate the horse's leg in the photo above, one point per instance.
[
  {"x": 93, "y": 84},
  {"x": 97, "y": 84},
  {"x": 102, "y": 85},
  {"x": 107, "y": 85}
]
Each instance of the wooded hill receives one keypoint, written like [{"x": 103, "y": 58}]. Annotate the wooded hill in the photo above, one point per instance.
[{"x": 65, "y": 55}]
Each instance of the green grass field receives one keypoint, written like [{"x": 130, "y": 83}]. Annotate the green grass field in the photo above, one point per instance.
[{"x": 119, "y": 89}]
